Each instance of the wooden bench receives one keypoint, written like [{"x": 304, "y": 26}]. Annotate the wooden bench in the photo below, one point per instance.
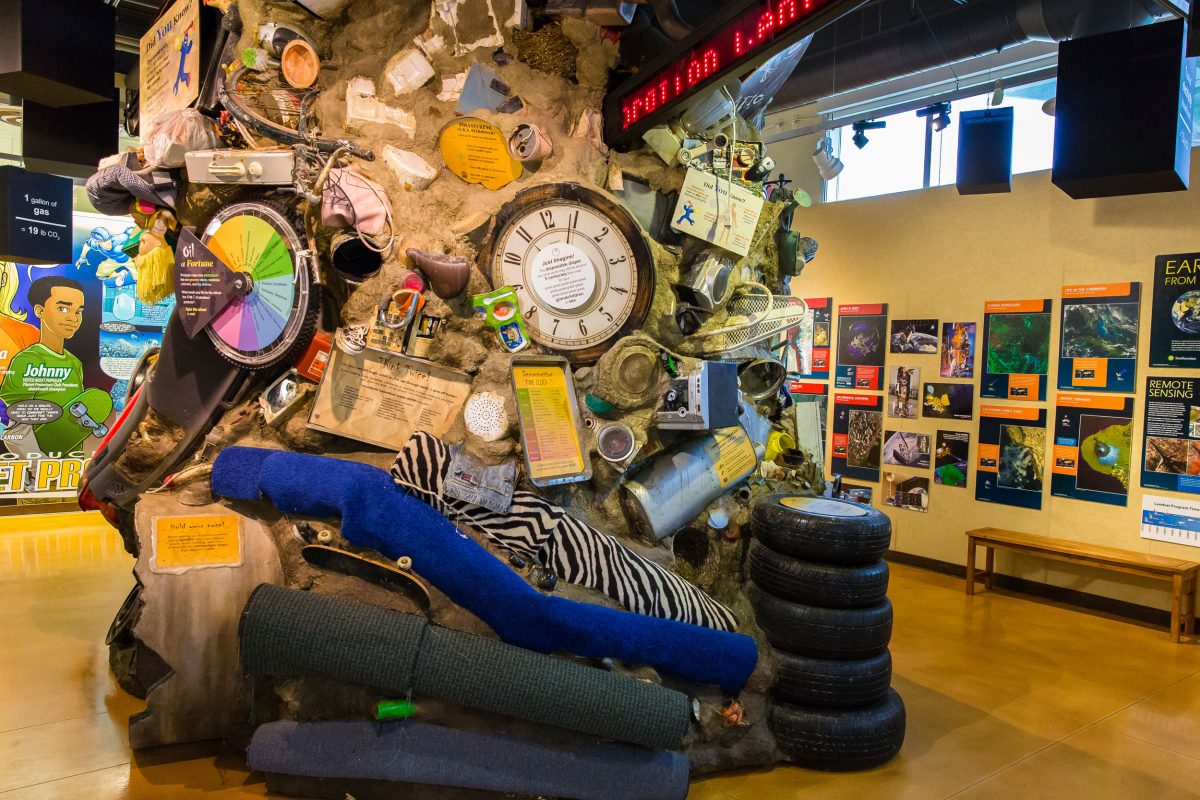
[{"x": 1182, "y": 574}]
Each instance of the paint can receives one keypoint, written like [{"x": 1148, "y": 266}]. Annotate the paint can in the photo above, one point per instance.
[{"x": 528, "y": 143}]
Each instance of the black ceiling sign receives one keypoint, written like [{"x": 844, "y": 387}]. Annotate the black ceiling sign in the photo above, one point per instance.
[{"x": 35, "y": 217}]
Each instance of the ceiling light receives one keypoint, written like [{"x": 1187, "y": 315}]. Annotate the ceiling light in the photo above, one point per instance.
[
  {"x": 939, "y": 114},
  {"x": 829, "y": 165},
  {"x": 1050, "y": 106},
  {"x": 860, "y": 137}
]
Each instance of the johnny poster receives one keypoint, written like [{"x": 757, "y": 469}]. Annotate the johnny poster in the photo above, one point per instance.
[
  {"x": 862, "y": 346},
  {"x": 1175, "y": 315},
  {"x": 65, "y": 351},
  {"x": 1093, "y": 446},
  {"x": 1016, "y": 349},
  {"x": 808, "y": 343},
  {"x": 857, "y": 435},
  {"x": 1171, "y": 449},
  {"x": 1011, "y": 464},
  {"x": 1098, "y": 348}
]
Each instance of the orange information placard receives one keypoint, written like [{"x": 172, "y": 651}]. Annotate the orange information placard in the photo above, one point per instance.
[
  {"x": 185, "y": 543},
  {"x": 476, "y": 151},
  {"x": 549, "y": 423}
]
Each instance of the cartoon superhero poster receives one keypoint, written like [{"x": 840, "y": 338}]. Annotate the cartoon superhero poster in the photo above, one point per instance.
[
  {"x": 808, "y": 343},
  {"x": 862, "y": 346},
  {"x": 1098, "y": 351},
  {"x": 1093, "y": 440},
  {"x": 170, "y": 62},
  {"x": 857, "y": 435},
  {"x": 1011, "y": 463},
  {"x": 1016, "y": 335},
  {"x": 1171, "y": 450},
  {"x": 1175, "y": 315},
  {"x": 68, "y": 342}
]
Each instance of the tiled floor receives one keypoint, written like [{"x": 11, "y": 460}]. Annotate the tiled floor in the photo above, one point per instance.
[{"x": 1007, "y": 697}]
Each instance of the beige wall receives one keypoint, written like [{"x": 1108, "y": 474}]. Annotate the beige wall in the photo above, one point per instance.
[{"x": 935, "y": 254}]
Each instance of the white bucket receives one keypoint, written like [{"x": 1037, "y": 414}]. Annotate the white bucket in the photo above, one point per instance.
[
  {"x": 407, "y": 70},
  {"x": 412, "y": 171}
]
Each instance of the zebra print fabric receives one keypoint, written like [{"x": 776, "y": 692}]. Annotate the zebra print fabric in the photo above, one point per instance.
[{"x": 539, "y": 530}]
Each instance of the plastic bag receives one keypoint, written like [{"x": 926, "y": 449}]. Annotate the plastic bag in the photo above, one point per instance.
[
  {"x": 352, "y": 200},
  {"x": 176, "y": 134}
]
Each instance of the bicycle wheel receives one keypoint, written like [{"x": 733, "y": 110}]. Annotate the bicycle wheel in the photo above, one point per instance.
[
  {"x": 275, "y": 320},
  {"x": 264, "y": 103}
]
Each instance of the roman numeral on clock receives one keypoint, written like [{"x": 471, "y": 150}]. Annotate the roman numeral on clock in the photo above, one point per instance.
[
  {"x": 524, "y": 234},
  {"x": 512, "y": 258}
]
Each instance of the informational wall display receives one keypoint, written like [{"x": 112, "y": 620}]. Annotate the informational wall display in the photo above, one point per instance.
[
  {"x": 170, "y": 62},
  {"x": 182, "y": 544},
  {"x": 1099, "y": 341},
  {"x": 1011, "y": 462},
  {"x": 1171, "y": 452},
  {"x": 904, "y": 391},
  {"x": 914, "y": 336},
  {"x": 1093, "y": 448},
  {"x": 204, "y": 285},
  {"x": 550, "y": 421},
  {"x": 35, "y": 217},
  {"x": 950, "y": 458},
  {"x": 384, "y": 399},
  {"x": 905, "y": 449},
  {"x": 1171, "y": 519},
  {"x": 1016, "y": 361},
  {"x": 812, "y": 413},
  {"x": 906, "y": 491},
  {"x": 477, "y": 151},
  {"x": 948, "y": 401},
  {"x": 862, "y": 337},
  {"x": 857, "y": 435},
  {"x": 958, "y": 350},
  {"x": 717, "y": 211},
  {"x": 808, "y": 342},
  {"x": 1175, "y": 315}
]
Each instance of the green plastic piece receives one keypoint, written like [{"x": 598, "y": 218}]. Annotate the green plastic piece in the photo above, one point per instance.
[
  {"x": 394, "y": 709},
  {"x": 596, "y": 405}
]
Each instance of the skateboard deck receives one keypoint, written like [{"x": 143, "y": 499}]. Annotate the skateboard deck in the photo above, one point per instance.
[
  {"x": 385, "y": 575},
  {"x": 84, "y": 416}
]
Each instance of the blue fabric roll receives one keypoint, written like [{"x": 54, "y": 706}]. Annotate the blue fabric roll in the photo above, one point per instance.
[
  {"x": 378, "y": 515},
  {"x": 415, "y": 752}
]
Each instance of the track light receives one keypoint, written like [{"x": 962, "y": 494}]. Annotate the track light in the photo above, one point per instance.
[
  {"x": 829, "y": 165},
  {"x": 860, "y": 137},
  {"x": 1050, "y": 106},
  {"x": 940, "y": 114}
]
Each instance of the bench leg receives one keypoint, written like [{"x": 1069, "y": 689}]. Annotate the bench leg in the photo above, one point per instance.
[
  {"x": 1189, "y": 609},
  {"x": 990, "y": 564},
  {"x": 970, "y": 565},
  {"x": 1176, "y": 606}
]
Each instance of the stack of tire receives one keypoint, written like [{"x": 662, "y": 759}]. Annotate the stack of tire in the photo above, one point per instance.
[{"x": 819, "y": 589}]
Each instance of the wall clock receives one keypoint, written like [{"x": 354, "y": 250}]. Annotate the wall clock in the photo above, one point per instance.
[{"x": 579, "y": 264}]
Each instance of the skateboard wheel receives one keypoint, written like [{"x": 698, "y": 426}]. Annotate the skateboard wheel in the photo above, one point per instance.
[
  {"x": 325, "y": 537},
  {"x": 404, "y": 563},
  {"x": 517, "y": 562}
]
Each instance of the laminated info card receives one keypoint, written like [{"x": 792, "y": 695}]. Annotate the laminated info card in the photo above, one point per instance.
[
  {"x": 1011, "y": 464},
  {"x": 807, "y": 346},
  {"x": 1171, "y": 519},
  {"x": 717, "y": 211},
  {"x": 1016, "y": 341},
  {"x": 384, "y": 399},
  {"x": 1098, "y": 347},
  {"x": 862, "y": 346},
  {"x": 1093, "y": 446},
  {"x": 1171, "y": 453},
  {"x": 1175, "y": 314},
  {"x": 857, "y": 435}
]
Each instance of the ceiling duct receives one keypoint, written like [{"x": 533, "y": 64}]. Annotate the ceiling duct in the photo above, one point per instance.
[{"x": 970, "y": 31}]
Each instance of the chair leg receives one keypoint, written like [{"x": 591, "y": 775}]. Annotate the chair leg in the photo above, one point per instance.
[
  {"x": 990, "y": 566},
  {"x": 970, "y": 565},
  {"x": 1176, "y": 606}
]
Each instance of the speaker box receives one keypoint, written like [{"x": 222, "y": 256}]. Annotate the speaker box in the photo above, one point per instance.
[
  {"x": 1193, "y": 48},
  {"x": 70, "y": 141},
  {"x": 985, "y": 143},
  {"x": 57, "y": 52},
  {"x": 1123, "y": 122}
]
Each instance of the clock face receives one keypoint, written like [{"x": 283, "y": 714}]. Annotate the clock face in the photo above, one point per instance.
[{"x": 579, "y": 265}]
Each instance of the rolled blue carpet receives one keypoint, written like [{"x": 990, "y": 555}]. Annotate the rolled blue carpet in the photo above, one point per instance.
[
  {"x": 376, "y": 514},
  {"x": 415, "y": 752}
]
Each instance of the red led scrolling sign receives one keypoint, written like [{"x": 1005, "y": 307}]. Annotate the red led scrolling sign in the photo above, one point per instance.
[{"x": 731, "y": 45}]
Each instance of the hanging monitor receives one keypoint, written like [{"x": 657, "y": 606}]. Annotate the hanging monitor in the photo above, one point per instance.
[{"x": 985, "y": 147}]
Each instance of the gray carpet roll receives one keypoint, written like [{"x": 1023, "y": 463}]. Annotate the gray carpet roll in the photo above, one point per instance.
[
  {"x": 289, "y": 632},
  {"x": 415, "y": 752}
]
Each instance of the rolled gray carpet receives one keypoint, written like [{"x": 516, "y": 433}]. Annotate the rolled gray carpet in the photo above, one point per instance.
[
  {"x": 289, "y": 632},
  {"x": 415, "y": 752}
]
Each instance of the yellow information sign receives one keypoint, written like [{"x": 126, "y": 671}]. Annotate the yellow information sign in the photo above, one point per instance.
[
  {"x": 476, "y": 151},
  {"x": 170, "y": 62},
  {"x": 732, "y": 455},
  {"x": 184, "y": 543},
  {"x": 547, "y": 422}
]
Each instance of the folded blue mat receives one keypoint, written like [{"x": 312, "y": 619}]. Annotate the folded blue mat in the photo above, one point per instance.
[
  {"x": 376, "y": 514},
  {"x": 415, "y": 752}
]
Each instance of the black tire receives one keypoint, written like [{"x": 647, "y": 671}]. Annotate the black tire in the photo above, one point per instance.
[
  {"x": 816, "y": 584},
  {"x": 829, "y": 683},
  {"x": 838, "y": 633},
  {"x": 840, "y": 741},
  {"x": 822, "y": 529}
]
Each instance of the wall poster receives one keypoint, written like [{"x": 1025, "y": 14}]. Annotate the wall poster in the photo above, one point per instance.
[
  {"x": 1171, "y": 519},
  {"x": 906, "y": 491},
  {"x": 958, "y": 350},
  {"x": 807, "y": 353},
  {"x": 915, "y": 336},
  {"x": 1098, "y": 347},
  {"x": 862, "y": 337},
  {"x": 948, "y": 401},
  {"x": 812, "y": 413},
  {"x": 905, "y": 449},
  {"x": 904, "y": 392},
  {"x": 857, "y": 435},
  {"x": 1175, "y": 314},
  {"x": 950, "y": 458},
  {"x": 1171, "y": 453},
  {"x": 1016, "y": 335},
  {"x": 170, "y": 62},
  {"x": 1011, "y": 463},
  {"x": 1093, "y": 442}
]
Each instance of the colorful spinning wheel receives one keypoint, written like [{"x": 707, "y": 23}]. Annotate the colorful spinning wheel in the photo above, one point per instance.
[{"x": 277, "y": 314}]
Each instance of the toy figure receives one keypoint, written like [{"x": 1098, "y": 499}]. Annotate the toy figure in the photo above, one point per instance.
[{"x": 184, "y": 46}]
